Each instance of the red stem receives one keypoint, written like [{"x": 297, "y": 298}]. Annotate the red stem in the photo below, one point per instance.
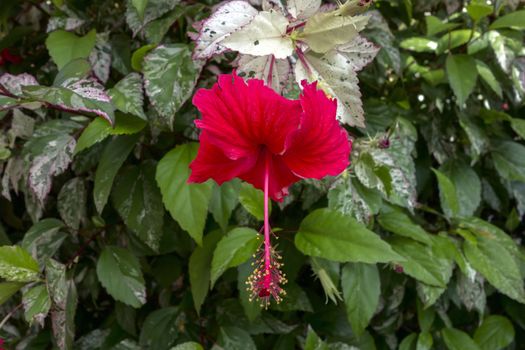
[
  {"x": 267, "y": 244},
  {"x": 300, "y": 55},
  {"x": 269, "y": 79},
  {"x": 297, "y": 26}
]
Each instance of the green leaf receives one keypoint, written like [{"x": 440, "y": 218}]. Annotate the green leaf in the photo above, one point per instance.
[
  {"x": 496, "y": 332},
  {"x": 467, "y": 186},
  {"x": 232, "y": 250},
  {"x": 425, "y": 317},
  {"x": 200, "y": 268},
  {"x": 170, "y": 74},
  {"x": 333, "y": 236},
  {"x": 294, "y": 300},
  {"x": 424, "y": 263},
  {"x": 7, "y": 102},
  {"x": 509, "y": 160},
  {"x": 491, "y": 259},
  {"x": 462, "y": 75},
  {"x": 409, "y": 342},
  {"x": 447, "y": 195},
  {"x": 428, "y": 294},
  {"x": 424, "y": 341},
  {"x": 188, "y": 346},
  {"x": 478, "y": 10},
  {"x": 16, "y": 265},
  {"x": 313, "y": 342},
  {"x": 72, "y": 200},
  {"x": 160, "y": 328},
  {"x": 64, "y": 46},
  {"x": 140, "y": 6},
  {"x": 137, "y": 59},
  {"x": 99, "y": 129},
  {"x": 233, "y": 338},
  {"x": 36, "y": 304},
  {"x": 455, "y": 39},
  {"x": 8, "y": 289},
  {"x": 515, "y": 19},
  {"x": 325, "y": 30},
  {"x": 127, "y": 95},
  {"x": 78, "y": 68},
  {"x": 436, "y": 26},
  {"x": 113, "y": 156},
  {"x": 486, "y": 230},
  {"x": 44, "y": 238},
  {"x": 95, "y": 132},
  {"x": 458, "y": 340},
  {"x": 127, "y": 344},
  {"x": 138, "y": 201},
  {"x": 488, "y": 77},
  {"x": 224, "y": 199},
  {"x": 119, "y": 271},
  {"x": 399, "y": 223},
  {"x": 419, "y": 44},
  {"x": 476, "y": 134},
  {"x": 361, "y": 289},
  {"x": 187, "y": 203},
  {"x": 519, "y": 127},
  {"x": 252, "y": 199},
  {"x": 157, "y": 29},
  {"x": 252, "y": 309},
  {"x": 63, "y": 294}
]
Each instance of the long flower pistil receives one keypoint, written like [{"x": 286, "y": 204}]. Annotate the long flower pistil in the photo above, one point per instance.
[{"x": 267, "y": 278}]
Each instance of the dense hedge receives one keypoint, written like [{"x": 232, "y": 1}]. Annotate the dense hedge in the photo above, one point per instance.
[{"x": 418, "y": 244}]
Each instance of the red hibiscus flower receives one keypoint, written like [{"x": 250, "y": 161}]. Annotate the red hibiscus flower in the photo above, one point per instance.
[
  {"x": 7, "y": 56},
  {"x": 251, "y": 132}
]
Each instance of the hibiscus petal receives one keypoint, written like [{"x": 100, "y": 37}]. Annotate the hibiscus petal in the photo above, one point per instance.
[
  {"x": 280, "y": 177},
  {"x": 241, "y": 117},
  {"x": 212, "y": 163},
  {"x": 321, "y": 146}
]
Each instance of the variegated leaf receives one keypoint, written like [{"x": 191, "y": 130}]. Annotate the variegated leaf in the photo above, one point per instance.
[
  {"x": 302, "y": 9},
  {"x": 65, "y": 23},
  {"x": 350, "y": 197},
  {"x": 336, "y": 73},
  {"x": 170, "y": 75},
  {"x": 325, "y": 30},
  {"x": 54, "y": 160},
  {"x": 13, "y": 83},
  {"x": 259, "y": 67},
  {"x": 264, "y": 35},
  {"x": 127, "y": 95},
  {"x": 360, "y": 52},
  {"x": 154, "y": 9},
  {"x": 85, "y": 95},
  {"x": 100, "y": 57},
  {"x": 338, "y": 80},
  {"x": 226, "y": 20}
]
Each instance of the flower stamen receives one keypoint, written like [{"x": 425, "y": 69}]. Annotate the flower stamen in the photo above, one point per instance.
[{"x": 266, "y": 280}]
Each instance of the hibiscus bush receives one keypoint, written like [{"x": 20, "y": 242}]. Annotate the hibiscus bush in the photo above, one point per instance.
[{"x": 142, "y": 139}]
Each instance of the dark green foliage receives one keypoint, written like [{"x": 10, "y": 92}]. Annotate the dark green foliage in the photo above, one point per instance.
[{"x": 104, "y": 244}]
